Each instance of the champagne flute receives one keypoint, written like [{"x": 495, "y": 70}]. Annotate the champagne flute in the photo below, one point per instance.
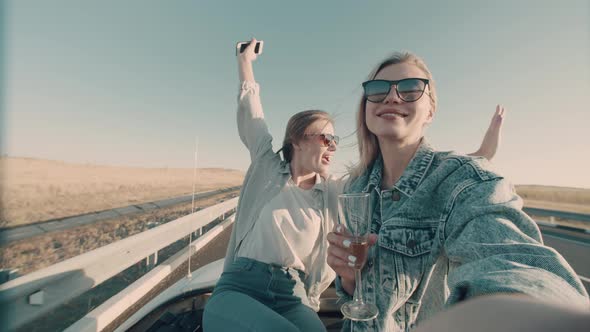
[{"x": 354, "y": 214}]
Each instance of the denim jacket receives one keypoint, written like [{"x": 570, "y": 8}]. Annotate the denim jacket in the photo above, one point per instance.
[
  {"x": 451, "y": 229},
  {"x": 265, "y": 178}
]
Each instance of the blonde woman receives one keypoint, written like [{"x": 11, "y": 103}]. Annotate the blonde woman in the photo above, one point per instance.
[{"x": 446, "y": 227}]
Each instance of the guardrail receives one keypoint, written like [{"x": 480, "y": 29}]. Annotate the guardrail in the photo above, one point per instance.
[
  {"x": 106, "y": 313},
  {"x": 28, "y": 297},
  {"x": 557, "y": 214}
]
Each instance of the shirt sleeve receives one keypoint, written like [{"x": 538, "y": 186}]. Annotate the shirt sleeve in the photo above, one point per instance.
[
  {"x": 252, "y": 128},
  {"x": 494, "y": 247}
]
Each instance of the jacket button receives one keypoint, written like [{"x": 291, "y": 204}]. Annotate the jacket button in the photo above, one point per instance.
[
  {"x": 411, "y": 243},
  {"x": 395, "y": 196}
]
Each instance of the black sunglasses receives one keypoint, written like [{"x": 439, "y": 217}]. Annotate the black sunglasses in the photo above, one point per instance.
[
  {"x": 326, "y": 139},
  {"x": 408, "y": 89}
]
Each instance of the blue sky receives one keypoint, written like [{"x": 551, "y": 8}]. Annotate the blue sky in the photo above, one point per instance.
[{"x": 134, "y": 82}]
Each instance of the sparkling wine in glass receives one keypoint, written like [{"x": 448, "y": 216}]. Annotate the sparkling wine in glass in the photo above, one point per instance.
[{"x": 354, "y": 214}]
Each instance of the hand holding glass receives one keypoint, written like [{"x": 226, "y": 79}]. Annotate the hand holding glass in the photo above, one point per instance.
[{"x": 353, "y": 212}]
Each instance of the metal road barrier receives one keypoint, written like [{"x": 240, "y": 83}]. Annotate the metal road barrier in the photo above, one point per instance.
[
  {"x": 110, "y": 310},
  {"x": 30, "y": 296},
  {"x": 557, "y": 214}
]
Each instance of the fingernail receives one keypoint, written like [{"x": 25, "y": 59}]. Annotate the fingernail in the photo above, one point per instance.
[
  {"x": 346, "y": 243},
  {"x": 351, "y": 264},
  {"x": 339, "y": 228},
  {"x": 352, "y": 258}
]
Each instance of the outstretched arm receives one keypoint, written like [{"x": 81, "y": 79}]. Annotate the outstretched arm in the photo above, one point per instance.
[
  {"x": 250, "y": 117},
  {"x": 491, "y": 140},
  {"x": 494, "y": 247}
]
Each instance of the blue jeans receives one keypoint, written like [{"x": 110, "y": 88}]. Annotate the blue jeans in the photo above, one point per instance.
[{"x": 255, "y": 296}]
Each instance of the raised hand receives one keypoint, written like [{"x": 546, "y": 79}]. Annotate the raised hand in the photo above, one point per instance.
[
  {"x": 248, "y": 55},
  {"x": 245, "y": 59},
  {"x": 491, "y": 140}
]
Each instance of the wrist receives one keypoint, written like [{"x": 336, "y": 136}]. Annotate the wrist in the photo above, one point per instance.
[
  {"x": 242, "y": 61},
  {"x": 245, "y": 70}
]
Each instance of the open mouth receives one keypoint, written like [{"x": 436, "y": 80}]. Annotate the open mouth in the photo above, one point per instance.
[
  {"x": 391, "y": 114},
  {"x": 326, "y": 159}
]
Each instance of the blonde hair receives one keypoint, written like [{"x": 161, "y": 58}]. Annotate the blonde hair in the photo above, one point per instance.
[
  {"x": 296, "y": 127},
  {"x": 367, "y": 141}
]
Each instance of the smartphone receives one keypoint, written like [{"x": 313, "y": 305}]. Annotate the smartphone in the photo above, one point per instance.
[{"x": 241, "y": 46}]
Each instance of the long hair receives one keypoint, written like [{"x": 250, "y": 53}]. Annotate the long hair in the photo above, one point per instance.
[
  {"x": 367, "y": 141},
  {"x": 296, "y": 127}
]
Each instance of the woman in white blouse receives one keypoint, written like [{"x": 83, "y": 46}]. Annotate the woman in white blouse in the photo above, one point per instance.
[{"x": 275, "y": 267}]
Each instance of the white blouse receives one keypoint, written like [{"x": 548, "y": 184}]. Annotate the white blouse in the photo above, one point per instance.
[{"x": 288, "y": 227}]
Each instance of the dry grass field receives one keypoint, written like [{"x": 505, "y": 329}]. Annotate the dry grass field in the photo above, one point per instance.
[
  {"x": 34, "y": 253},
  {"x": 36, "y": 190},
  {"x": 556, "y": 198}
]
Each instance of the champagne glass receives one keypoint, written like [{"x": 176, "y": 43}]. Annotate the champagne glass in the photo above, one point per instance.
[{"x": 354, "y": 214}]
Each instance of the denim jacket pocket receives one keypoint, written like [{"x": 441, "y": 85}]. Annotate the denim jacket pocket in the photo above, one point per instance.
[
  {"x": 403, "y": 253},
  {"x": 407, "y": 238}
]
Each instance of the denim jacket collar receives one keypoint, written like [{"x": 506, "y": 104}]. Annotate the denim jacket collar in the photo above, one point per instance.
[{"x": 411, "y": 177}]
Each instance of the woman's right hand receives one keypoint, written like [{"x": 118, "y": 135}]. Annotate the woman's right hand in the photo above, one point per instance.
[
  {"x": 245, "y": 59},
  {"x": 491, "y": 140},
  {"x": 248, "y": 55},
  {"x": 340, "y": 256}
]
